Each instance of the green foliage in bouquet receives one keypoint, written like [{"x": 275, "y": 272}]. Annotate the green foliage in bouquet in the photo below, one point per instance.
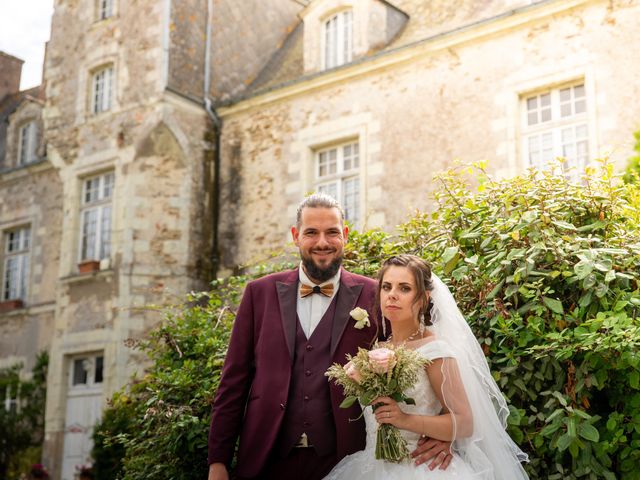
[{"x": 381, "y": 372}]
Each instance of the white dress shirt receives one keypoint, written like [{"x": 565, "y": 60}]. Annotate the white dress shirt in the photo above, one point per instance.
[{"x": 312, "y": 307}]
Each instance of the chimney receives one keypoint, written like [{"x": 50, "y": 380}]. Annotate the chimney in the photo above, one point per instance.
[{"x": 10, "y": 72}]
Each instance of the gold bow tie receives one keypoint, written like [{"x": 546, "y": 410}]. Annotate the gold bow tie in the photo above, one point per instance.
[{"x": 326, "y": 290}]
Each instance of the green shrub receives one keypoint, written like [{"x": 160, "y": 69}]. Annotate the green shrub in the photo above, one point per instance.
[
  {"x": 546, "y": 272},
  {"x": 22, "y": 430}
]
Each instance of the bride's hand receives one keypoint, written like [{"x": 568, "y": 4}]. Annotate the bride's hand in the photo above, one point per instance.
[{"x": 388, "y": 411}]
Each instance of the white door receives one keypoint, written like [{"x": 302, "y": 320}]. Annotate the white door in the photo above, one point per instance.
[{"x": 84, "y": 408}]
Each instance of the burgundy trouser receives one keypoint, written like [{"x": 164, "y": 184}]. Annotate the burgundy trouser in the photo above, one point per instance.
[{"x": 301, "y": 463}]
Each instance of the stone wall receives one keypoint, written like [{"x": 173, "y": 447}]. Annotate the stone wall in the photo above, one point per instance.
[
  {"x": 449, "y": 100},
  {"x": 28, "y": 197}
]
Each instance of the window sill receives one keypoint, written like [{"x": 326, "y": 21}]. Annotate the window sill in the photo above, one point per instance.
[
  {"x": 11, "y": 173},
  {"x": 87, "y": 277},
  {"x": 8, "y": 306}
]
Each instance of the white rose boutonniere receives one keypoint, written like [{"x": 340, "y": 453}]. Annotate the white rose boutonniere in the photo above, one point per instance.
[{"x": 361, "y": 316}]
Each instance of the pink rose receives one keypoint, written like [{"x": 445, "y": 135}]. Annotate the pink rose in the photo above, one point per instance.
[
  {"x": 352, "y": 372},
  {"x": 382, "y": 360}
]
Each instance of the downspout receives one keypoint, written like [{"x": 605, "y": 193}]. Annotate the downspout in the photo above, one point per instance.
[{"x": 217, "y": 123}]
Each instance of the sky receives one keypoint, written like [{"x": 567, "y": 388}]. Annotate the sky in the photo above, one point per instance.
[{"x": 25, "y": 26}]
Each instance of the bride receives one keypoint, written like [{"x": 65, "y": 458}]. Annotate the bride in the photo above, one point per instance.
[{"x": 457, "y": 399}]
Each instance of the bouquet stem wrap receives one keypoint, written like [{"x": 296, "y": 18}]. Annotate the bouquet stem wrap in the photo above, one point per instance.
[{"x": 390, "y": 444}]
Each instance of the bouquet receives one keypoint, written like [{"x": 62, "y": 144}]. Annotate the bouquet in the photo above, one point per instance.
[{"x": 383, "y": 371}]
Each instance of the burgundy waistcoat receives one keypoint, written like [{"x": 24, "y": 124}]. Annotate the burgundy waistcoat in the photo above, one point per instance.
[{"x": 309, "y": 403}]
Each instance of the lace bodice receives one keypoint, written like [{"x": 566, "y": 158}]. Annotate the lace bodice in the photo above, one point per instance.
[{"x": 426, "y": 401}]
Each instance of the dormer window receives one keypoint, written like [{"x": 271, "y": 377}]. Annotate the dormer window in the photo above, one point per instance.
[
  {"x": 338, "y": 39},
  {"x": 105, "y": 9}
]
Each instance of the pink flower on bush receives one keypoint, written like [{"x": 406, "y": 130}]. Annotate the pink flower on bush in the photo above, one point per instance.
[
  {"x": 352, "y": 372},
  {"x": 382, "y": 360}
]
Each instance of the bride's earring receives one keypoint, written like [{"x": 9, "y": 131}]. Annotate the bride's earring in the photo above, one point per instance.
[
  {"x": 384, "y": 328},
  {"x": 421, "y": 325}
]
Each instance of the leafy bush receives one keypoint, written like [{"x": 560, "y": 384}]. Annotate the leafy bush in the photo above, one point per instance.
[
  {"x": 546, "y": 272},
  {"x": 156, "y": 428},
  {"x": 22, "y": 429}
]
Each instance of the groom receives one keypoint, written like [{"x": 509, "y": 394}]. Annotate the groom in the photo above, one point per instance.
[{"x": 290, "y": 327}]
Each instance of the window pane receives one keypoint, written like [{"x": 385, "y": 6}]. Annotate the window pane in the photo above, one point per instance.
[
  {"x": 545, "y": 100},
  {"x": 545, "y": 115},
  {"x": 532, "y": 118},
  {"x": 565, "y": 110},
  {"x": 105, "y": 233},
  {"x": 532, "y": 103},
  {"x": 107, "y": 185},
  {"x": 89, "y": 230},
  {"x": 98, "y": 372},
  {"x": 578, "y": 91},
  {"x": 565, "y": 94},
  {"x": 330, "y": 189},
  {"x": 80, "y": 371},
  {"x": 350, "y": 201},
  {"x": 580, "y": 106}
]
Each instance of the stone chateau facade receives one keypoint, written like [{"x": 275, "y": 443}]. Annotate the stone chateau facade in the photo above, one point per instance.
[{"x": 173, "y": 139}]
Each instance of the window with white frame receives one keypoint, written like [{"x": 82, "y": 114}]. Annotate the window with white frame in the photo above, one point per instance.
[
  {"x": 87, "y": 371},
  {"x": 555, "y": 125},
  {"x": 337, "y": 173},
  {"x": 27, "y": 143},
  {"x": 16, "y": 264},
  {"x": 338, "y": 39},
  {"x": 102, "y": 90},
  {"x": 95, "y": 217},
  {"x": 105, "y": 9}
]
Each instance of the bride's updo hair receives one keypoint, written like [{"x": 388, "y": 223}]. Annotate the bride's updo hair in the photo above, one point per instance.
[{"x": 421, "y": 274}]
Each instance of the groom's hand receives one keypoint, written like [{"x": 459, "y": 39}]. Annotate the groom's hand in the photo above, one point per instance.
[
  {"x": 218, "y": 471},
  {"x": 437, "y": 451}
]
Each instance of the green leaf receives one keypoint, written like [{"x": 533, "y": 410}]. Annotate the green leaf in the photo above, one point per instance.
[
  {"x": 564, "y": 441},
  {"x": 449, "y": 253},
  {"x": 588, "y": 432},
  {"x": 583, "y": 268},
  {"x": 554, "y": 305},
  {"x": 564, "y": 225},
  {"x": 634, "y": 379},
  {"x": 348, "y": 401}
]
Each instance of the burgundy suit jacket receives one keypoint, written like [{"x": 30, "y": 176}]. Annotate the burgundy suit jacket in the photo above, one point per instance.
[{"x": 252, "y": 395}]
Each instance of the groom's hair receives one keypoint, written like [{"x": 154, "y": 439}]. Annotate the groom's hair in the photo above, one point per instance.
[{"x": 318, "y": 200}]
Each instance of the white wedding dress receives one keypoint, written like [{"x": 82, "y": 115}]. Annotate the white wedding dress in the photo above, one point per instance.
[{"x": 363, "y": 464}]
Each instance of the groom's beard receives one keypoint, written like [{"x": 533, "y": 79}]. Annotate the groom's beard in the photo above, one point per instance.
[{"x": 320, "y": 274}]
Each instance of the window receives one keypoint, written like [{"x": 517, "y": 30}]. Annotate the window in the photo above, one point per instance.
[
  {"x": 87, "y": 370},
  {"x": 11, "y": 403},
  {"x": 101, "y": 90},
  {"x": 555, "y": 125},
  {"x": 338, "y": 39},
  {"x": 96, "y": 217},
  {"x": 27, "y": 143},
  {"x": 337, "y": 174},
  {"x": 16, "y": 264},
  {"x": 105, "y": 9}
]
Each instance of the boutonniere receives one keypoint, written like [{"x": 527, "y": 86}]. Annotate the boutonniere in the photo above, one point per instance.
[{"x": 361, "y": 316}]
